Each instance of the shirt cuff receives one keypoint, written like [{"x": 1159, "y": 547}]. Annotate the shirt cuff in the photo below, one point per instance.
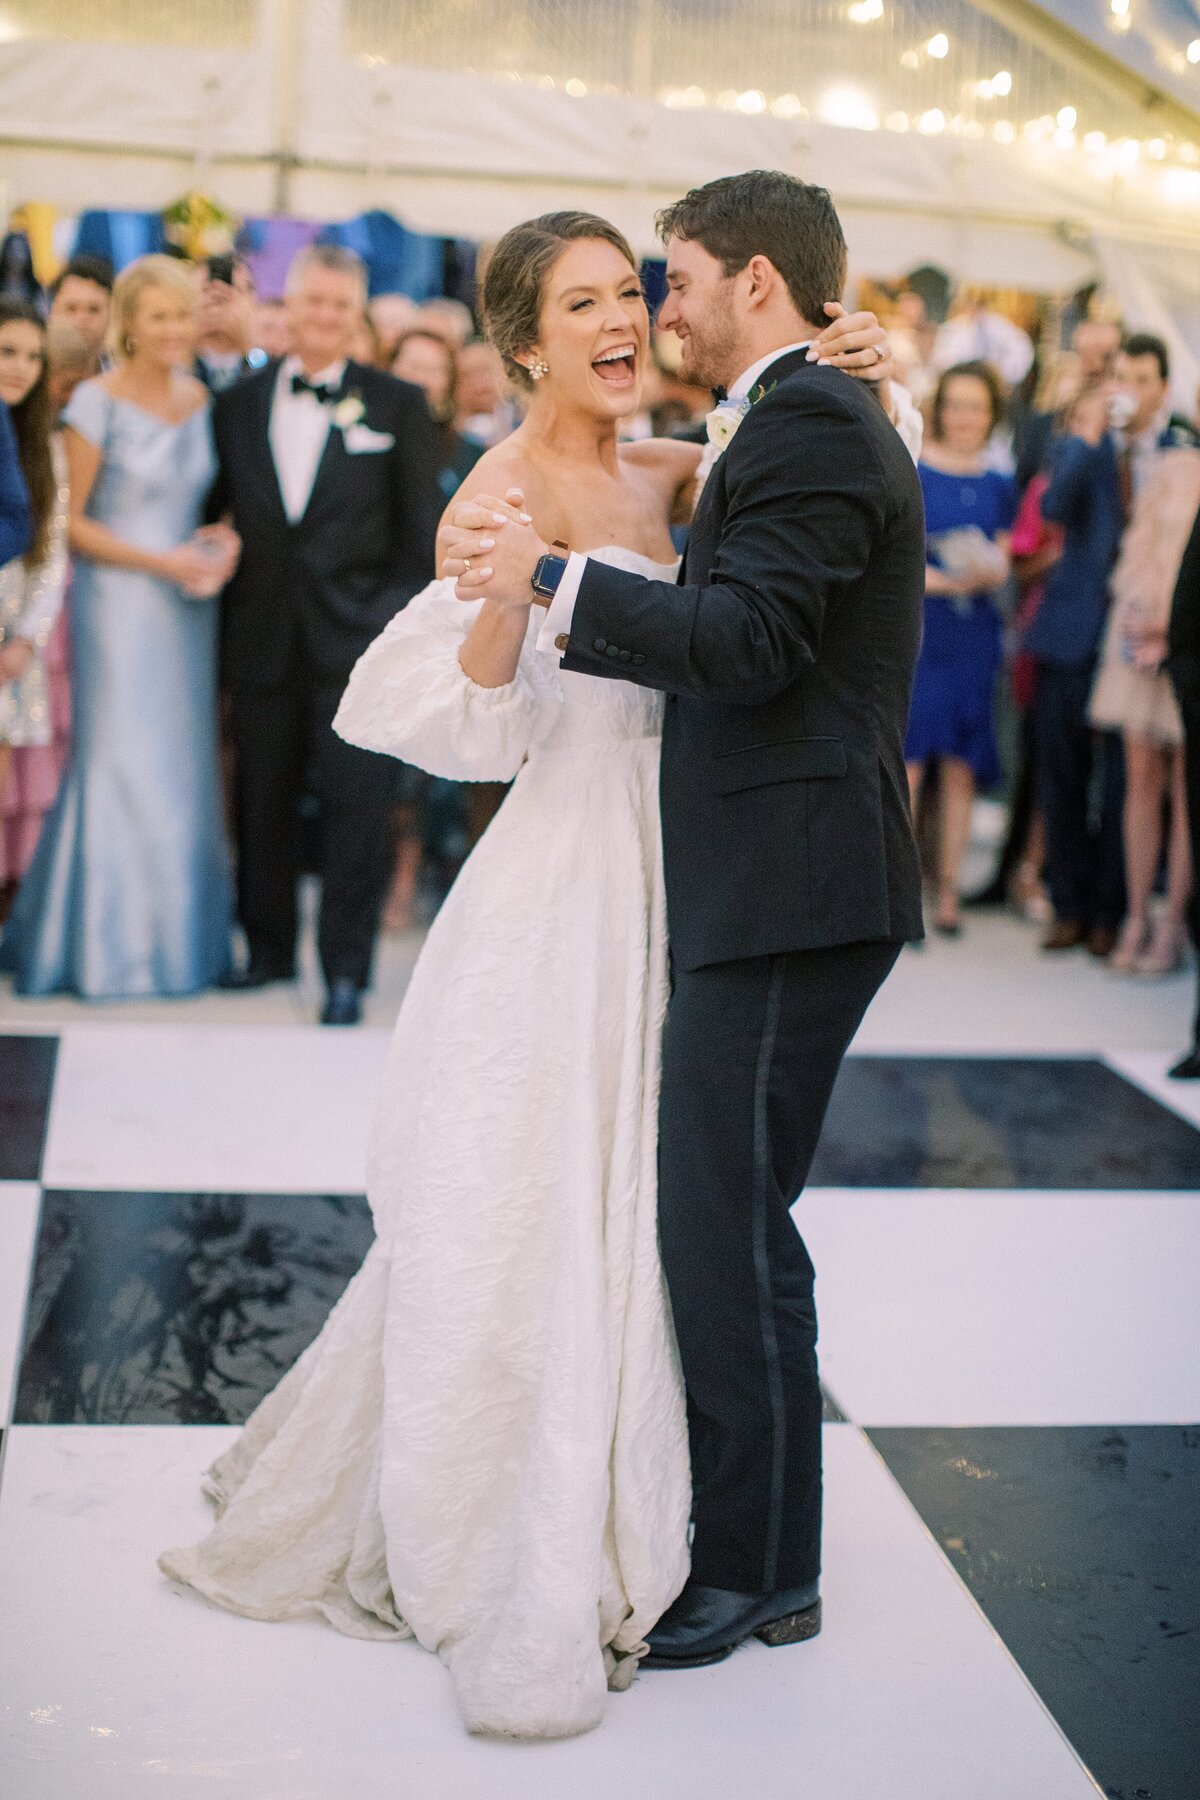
[
  {"x": 556, "y": 627},
  {"x": 908, "y": 421}
]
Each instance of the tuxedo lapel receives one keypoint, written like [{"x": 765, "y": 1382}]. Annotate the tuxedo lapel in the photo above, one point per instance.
[{"x": 260, "y": 439}]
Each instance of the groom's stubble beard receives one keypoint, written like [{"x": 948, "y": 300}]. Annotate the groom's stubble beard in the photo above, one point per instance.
[{"x": 715, "y": 341}]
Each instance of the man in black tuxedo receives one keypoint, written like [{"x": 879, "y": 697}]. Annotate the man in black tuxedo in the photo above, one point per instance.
[
  {"x": 786, "y": 654},
  {"x": 328, "y": 471}
]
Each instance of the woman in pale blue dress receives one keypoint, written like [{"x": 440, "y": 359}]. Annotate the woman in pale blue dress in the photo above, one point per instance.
[{"x": 129, "y": 892}]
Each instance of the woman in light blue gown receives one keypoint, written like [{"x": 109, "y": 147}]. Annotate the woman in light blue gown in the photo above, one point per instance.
[{"x": 129, "y": 891}]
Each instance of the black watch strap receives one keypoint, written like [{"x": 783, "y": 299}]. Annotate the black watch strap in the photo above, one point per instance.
[{"x": 551, "y": 567}]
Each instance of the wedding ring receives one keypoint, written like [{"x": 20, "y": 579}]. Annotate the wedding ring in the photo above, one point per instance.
[
  {"x": 880, "y": 353},
  {"x": 466, "y": 562}
]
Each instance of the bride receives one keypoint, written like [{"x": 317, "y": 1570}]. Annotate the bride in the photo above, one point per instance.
[{"x": 486, "y": 1447}]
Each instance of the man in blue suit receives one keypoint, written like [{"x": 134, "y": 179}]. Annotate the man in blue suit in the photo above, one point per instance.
[{"x": 1087, "y": 496}]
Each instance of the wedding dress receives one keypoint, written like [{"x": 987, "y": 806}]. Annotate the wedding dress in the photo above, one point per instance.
[{"x": 486, "y": 1446}]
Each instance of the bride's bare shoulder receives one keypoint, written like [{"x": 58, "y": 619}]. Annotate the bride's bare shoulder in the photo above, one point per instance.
[{"x": 497, "y": 470}]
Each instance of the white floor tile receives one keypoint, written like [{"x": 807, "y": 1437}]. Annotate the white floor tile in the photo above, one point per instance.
[
  {"x": 1148, "y": 1068},
  {"x": 19, "y": 1201},
  {"x": 993, "y": 991},
  {"x": 117, "y": 1686},
  {"x": 948, "y": 1307},
  {"x": 206, "y": 1107}
]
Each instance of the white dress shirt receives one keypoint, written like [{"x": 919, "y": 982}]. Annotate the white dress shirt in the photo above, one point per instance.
[
  {"x": 300, "y": 425},
  {"x": 560, "y": 614}
]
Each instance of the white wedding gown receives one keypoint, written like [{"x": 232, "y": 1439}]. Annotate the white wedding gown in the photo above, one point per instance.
[{"x": 486, "y": 1446}]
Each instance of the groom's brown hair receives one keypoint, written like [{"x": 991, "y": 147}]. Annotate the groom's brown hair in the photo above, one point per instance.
[{"x": 767, "y": 213}]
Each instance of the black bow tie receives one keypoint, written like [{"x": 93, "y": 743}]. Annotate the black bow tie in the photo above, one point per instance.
[{"x": 319, "y": 390}]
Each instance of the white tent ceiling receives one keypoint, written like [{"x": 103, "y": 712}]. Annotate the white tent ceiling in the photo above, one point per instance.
[{"x": 975, "y": 135}]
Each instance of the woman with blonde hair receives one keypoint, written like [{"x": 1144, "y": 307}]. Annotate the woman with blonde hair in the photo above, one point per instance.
[{"x": 128, "y": 894}]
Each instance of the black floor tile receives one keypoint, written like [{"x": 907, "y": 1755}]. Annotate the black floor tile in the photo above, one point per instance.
[
  {"x": 1082, "y": 1545},
  {"x": 178, "y": 1308},
  {"x": 26, "y": 1078},
  {"x": 999, "y": 1122}
]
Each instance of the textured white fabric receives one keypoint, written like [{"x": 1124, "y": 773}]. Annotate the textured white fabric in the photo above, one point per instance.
[{"x": 487, "y": 1443}]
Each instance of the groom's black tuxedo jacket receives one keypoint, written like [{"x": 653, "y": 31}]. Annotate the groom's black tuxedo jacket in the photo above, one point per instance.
[
  {"x": 786, "y": 653},
  {"x": 324, "y": 587}
]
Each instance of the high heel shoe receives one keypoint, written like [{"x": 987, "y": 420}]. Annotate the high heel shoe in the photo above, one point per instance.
[
  {"x": 1165, "y": 952},
  {"x": 1131, "y": 946}
]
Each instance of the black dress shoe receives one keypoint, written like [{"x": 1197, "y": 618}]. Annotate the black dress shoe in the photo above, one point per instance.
[
  {"x": 706, "y": 1624},
  {"x": 343, "y": 1006},
  {"x": 1188, "y": 1068},
  {"x": 254, "y": 975}
]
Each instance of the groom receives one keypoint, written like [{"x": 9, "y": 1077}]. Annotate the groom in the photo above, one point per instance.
[{"x": 786, "y": 653}]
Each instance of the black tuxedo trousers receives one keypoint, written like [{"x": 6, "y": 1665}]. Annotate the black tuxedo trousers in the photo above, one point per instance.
[
  {"x": 750, "y": 1055},
  {"x": 283, "y": 737}
]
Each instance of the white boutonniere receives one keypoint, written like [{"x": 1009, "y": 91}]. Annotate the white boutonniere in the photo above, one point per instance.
[
  {"x": 723, "y": 421},
  {"x": 348, "y": 412},
  {"x": 722, "y": 425}
]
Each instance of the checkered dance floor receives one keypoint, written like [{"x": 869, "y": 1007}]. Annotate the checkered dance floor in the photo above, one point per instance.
[{"x": 1008, "y": 1257}]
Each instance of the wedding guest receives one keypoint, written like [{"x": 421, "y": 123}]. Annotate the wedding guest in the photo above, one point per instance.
[
  {"x": 81, "y": 296},
  {"x": 451, "y": 319},
  {"x": 70, "y": 359},
  {"x": 1094, "y": 346},
  {"x": 128, "y": 893},
  {"x": 969, "y": 512},
  {"x": 430, "y": 362},
  {"x": 1077, "y": 765},
  {"x": 367, "y": 345},
  {"x": 15, "y": 524},
  {"x": 392, "y": 315},
  {"x": 1184, "y": 646},
  {"x": 31, "y": 594},
  {"x": 486, "y": 410},
  {"x": 271, "y": 328},
  {"x": 327, "y": 468},
  {"x": 225, "y": 347},
  {"x": 1134, "y": 695}
]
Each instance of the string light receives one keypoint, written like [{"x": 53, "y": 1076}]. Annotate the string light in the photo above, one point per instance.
[
  {"x": 1193, "y": 51},
  {"x": 938, "y": 46},
  {"x": 1067, "y": 118},
  {"x": 849, "y": 106},
  {"x": 1002, "y": 83},
  {"x": 864, "y": 12},
  {"x": 933, "y": 122}
]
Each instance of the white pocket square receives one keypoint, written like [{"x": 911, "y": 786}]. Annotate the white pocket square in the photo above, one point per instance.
[{"x": 360, "y": 440}]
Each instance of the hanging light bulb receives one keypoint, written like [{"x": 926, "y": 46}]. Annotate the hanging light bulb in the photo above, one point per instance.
[
  {"x": 864, "y": 12},
  {"x": 1002, "y": 83},
  {"x": 938, "y": 46},
  {"x": 1193, "y": 51},
  {"x": 1067, "y": 118}
]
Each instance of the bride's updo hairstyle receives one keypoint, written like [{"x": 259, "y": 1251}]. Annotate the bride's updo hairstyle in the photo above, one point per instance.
[{"x": 516, "y": 279}]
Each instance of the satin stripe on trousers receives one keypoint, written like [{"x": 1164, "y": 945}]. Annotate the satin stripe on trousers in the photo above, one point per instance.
[{"x": 750, "y": 1056}]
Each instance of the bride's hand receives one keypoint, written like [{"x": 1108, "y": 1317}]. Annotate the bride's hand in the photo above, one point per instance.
[
  {"x": 857, "y": 344},
  {"x": 490, "y": 549}
]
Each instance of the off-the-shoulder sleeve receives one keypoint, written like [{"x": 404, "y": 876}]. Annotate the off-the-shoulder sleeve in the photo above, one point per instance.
[
  {"x": 89, "y": 411},
  {"x": 409, "y": 697}
]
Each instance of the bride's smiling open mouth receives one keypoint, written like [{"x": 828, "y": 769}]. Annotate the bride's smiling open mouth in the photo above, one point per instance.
[{"x": 617, "y": 366}]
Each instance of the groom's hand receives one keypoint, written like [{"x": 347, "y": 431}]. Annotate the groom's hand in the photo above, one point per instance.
[
  {"x": 490, "y": 549},
  {"x": 858, "y": 344}
]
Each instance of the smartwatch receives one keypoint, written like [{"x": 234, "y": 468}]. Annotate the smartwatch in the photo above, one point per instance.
[{"x": 549, "y": 571}]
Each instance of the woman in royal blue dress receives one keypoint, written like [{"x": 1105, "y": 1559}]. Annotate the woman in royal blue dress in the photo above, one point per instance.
[
  {"x": 128, "y": 894},
  {"x": 969, "y": 510}
]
